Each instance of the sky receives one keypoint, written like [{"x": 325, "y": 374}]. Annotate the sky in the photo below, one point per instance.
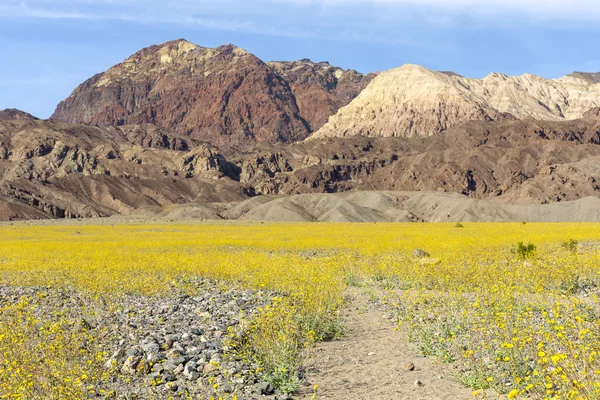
[{"x": 49, "y": 47}]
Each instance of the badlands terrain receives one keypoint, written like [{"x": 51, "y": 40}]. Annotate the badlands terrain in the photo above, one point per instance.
[{"x": 178, "y": 124}]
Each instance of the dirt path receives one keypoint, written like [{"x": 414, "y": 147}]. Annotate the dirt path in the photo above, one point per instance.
[{"x": 367, "y": 362}]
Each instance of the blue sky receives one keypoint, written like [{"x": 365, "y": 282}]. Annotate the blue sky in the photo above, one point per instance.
[{"x": 48, "y": 47}]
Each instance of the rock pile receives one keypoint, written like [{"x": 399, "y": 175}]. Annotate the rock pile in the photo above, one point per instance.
[{"x": 178, "y": 345}]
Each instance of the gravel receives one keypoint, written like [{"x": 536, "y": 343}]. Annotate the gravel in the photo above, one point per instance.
[{"x": 172, "y": 346}]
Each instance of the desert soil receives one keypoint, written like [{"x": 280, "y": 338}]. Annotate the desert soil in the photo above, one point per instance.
[{"x": 367, "y": 363}]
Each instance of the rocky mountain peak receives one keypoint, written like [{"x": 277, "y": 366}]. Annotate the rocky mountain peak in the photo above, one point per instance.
[
  {"x": 14, "y": 114},
  {"x": 589, "y": 77},
  {"x": 414, "y": 101},
  {"x": 320, "y": 89},
  {"x": 222, "y": 95}
]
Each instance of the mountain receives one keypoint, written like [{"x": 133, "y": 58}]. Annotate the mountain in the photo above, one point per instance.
[
  {"x": 54, "y": 169},
  {"x": 63, "y": 170},
  {"x": 13, "y": 114},
  {"x": 179, "y": 129},
  {"x": 412, "y": 101},
  {"x": 591, "y": 77},
  {"x": 224, "y": 96},
  {"x": 510, "y": 161},
  {"x": 320, "y": 89}
]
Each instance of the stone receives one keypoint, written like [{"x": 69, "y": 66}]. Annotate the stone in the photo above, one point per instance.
[
  {"x": 179, "y": 369},
  {"x": 168, "y": 376},
  {"x": 172, "y": 386},
  {"x": 209, "y": 368},
  {"x": 265, "y": 388},
  {"x": 419, "y": 383},
  {"x": 176, "y": 359},
  {"x": 419, "y": 253},
  {"x": 197, "y": 331},
  {"x": 407, "y": 366},
  {"x": 130, "y": 365},
  {"x": 151, "y": 348}
]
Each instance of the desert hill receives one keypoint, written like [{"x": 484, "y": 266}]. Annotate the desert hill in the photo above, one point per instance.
[
  {"x": 374, "y": 206},
  {"x": 197, "y": 130},
  {"x": 14, "y": 114},
  {"x": 414, "y": 101},
  {"x": 71, "y": 170},
  {"x": 225, "y": 96}
]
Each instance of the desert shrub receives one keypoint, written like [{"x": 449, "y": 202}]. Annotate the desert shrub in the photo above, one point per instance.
[
  {"x": 570, "y": 245},
  {"x": 524, "y": 251}
]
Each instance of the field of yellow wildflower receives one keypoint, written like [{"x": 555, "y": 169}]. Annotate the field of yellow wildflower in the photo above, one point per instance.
[{"x": 523, "y": 320}]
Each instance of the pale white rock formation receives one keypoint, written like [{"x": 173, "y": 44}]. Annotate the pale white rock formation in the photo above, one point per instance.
[{"x": 412, "y": 101}]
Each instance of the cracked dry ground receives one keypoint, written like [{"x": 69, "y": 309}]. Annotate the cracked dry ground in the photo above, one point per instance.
[{"x": 367, "y": 362}]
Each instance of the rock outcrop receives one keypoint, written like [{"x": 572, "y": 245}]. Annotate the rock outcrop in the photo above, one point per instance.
[
  {"x": 62, "y": 170},
  {"x": 10, "y": 114},
  {"x": 320, "y": 89},
  {"x": 224, "y": 95},
  {"x": 65, "y": 170},
  {"x": 412, "y": 101}
]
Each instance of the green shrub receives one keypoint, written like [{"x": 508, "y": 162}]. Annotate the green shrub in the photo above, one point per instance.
[
  {"x": 570, "y": 245},
  {"x": 524, "y": 251}
]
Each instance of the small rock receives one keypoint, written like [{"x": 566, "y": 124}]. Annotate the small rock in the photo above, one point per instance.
[
  {"x": 418, "y": 253},
  {"x": 172, "y": 386},
  {"x": 196, "y": 331},
  {"x": 208, "y": 368},
  {"x": 151, "y": 348},
  {"x": 419, "y": 383},
  {"x": 227, "y": 389},
  {"x": 168, "y": 376},
  {"x": 407, "y": 366},
  {"x": 265, "y": 388},
  {"x": 190, "y": 371},
  {"x": 179, "y": 369},
  {"x": 130, "y": 365},
  {"x": 176, "y": 360}
]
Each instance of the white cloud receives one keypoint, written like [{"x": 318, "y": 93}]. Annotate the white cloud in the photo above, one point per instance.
[
  {"x": 530, "y": 9},
  {"x": 367, "y": 20}
]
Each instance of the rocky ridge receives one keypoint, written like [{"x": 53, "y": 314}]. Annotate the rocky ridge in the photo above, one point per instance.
[
  {"x": 320, "y": 89},
  {"x": 66, "y": 171},
  {"x": 60, "y": 170},
  {"x": 14, "y": 114},
  {"x": 225, "y": 95},
  {"x": 412, "y": 101}
]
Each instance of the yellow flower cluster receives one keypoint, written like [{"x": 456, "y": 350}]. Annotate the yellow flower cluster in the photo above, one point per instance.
[
  {"x": 525, "y": 326},
  {"x": 45, "y": 359}
]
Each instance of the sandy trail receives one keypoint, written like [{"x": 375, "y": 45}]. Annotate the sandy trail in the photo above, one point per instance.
[{"x": 367, "y": 362}]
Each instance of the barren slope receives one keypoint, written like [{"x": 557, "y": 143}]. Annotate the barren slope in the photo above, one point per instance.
[
  {"x": 65, "y": 170},
  {"x": 375, "y": 206},
  {"x": 320, "y": 89},
  {"x": 14, "y": 114},
  {"x": 414, "y": 101},
  {"x": 224, "y": 95},
  {"x": 70, "y": 170}
]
